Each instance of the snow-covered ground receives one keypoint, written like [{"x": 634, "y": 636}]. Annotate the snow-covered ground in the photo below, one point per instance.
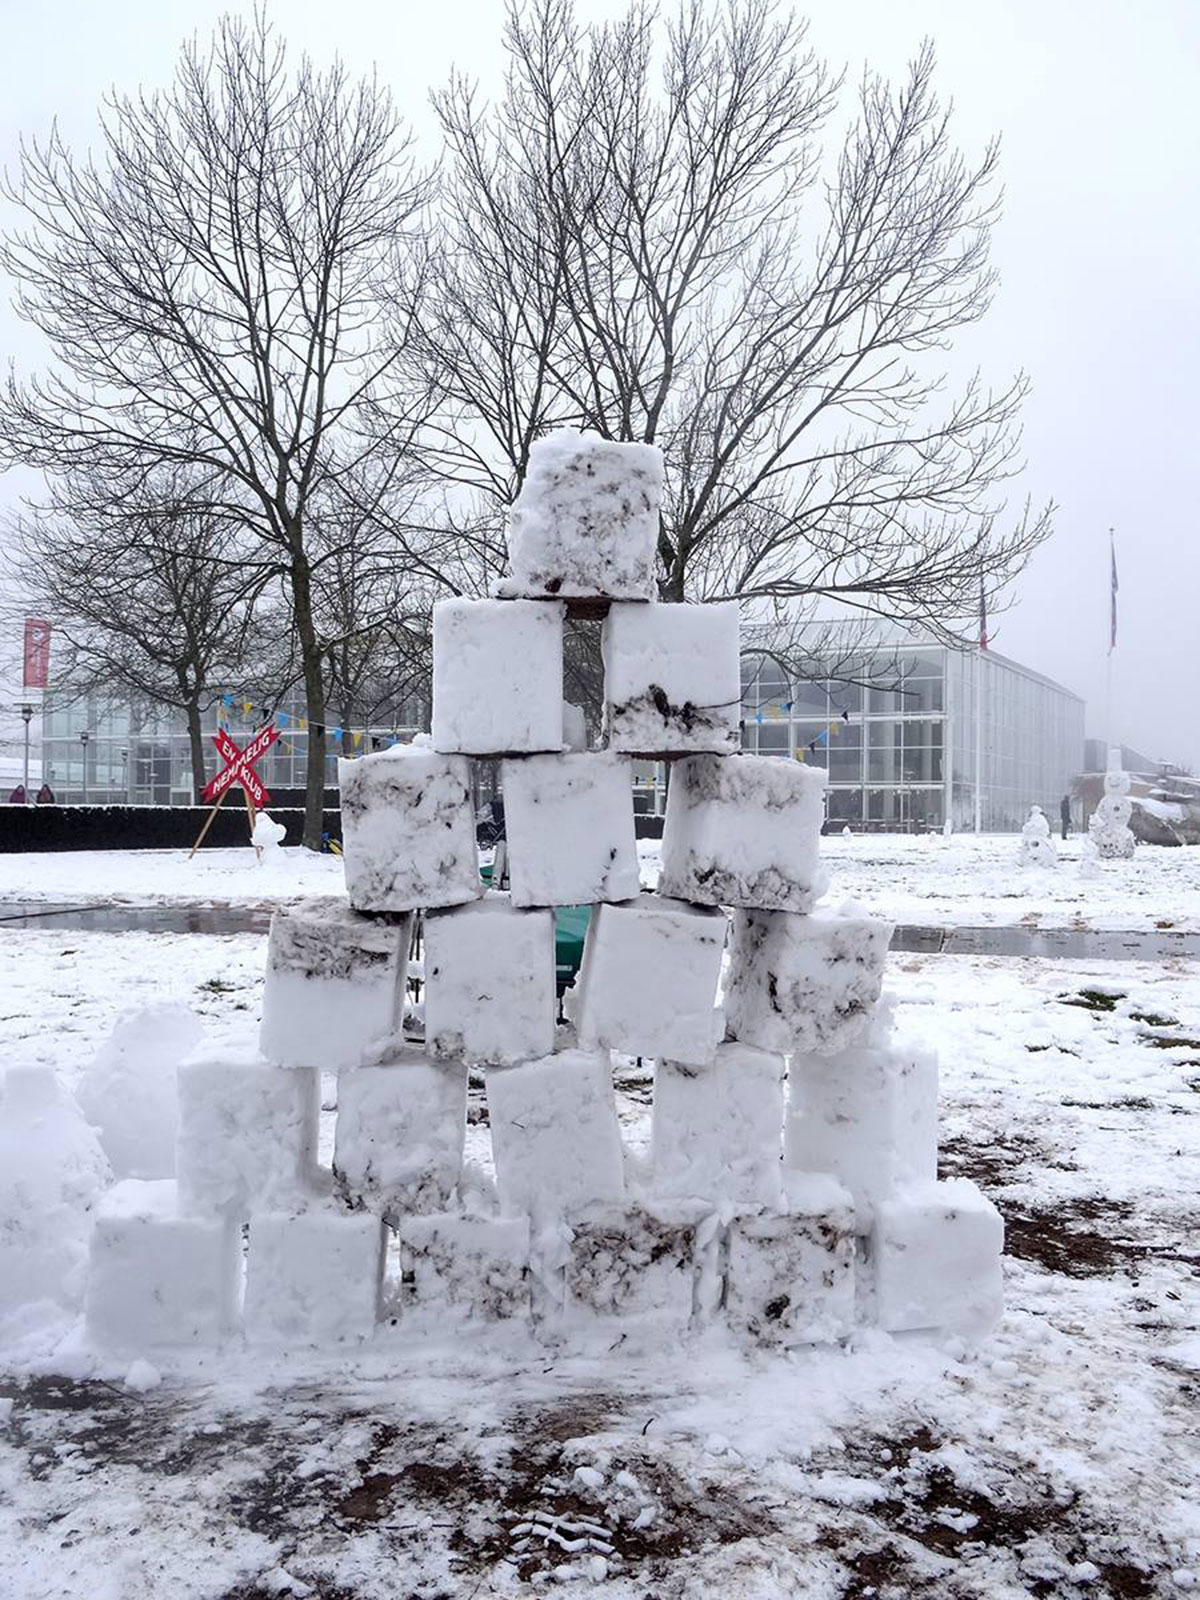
[
  {"x": 922, "y": 880},
  {"x": 1059, "y": 1461}
]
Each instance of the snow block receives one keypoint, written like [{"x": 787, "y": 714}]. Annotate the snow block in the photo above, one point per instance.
[
  {"x": 806, "y": 983},
  {"x": 790, "y": 1275},
  {"x": 313, "y": 1277},
  {"x": 408, "y": 830},
  {"x": 490, "y": 982},
  {"x": 744, "y": 831},
  {"x": 672, "y": 678},
  {"x": 467, "y": 1269},
  {"x": 556, "y": 1141},
  {"x": 156, "y": 1277},
  {"x": 585, "y": 524},
  {"x": 716, "y": 1131},
  {"x": 335, "y": 983},
  {"x": 570, "y": 829},
  {"x": 633, "y": 1262},
  {"x": 648, "y": 983},
  {"x": 247, "y": 1135},
  {"x": 936, "y": 1251},
  {"x": 128, "y": 1092},
  {"x": 497, "y": 676},
  {"x": 401, "y": 1126},
  {"x": 867, "y": 1116}
]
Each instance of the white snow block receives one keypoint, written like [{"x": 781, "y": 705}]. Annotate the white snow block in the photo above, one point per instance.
[
  {"x": 497, "y": 676},
  {"x": 128, "y": 1092},
  {"x": 490, "y": 982},
  {"x": 672, "y": 678},
  {"x": 867, "y": 1116},
  {"x": 335, "y": 981},
  {"x": 790, "y": 1274},
  {"x": 569, "y": 820},
  {"x": 408, "y": 830},
  {"x": 635, "y": 1263},
  {"x": 744, "y": 831},
  {"x": 156, "y": 1277},
  {"x": 556, "y": 1141},
  {"x": 467, "y": 1269},
  {"x": 247, "y": 1135},
  {"x": 799, "y": 982},
  {"x": 401, "y": 1126},
  {"x": 716, "y": 1131},
  {"x": 574, "y": 727},
  {"x": 648, "y": 983},
  {"x": 936, "y": 1251},
  {"x": 585, "y": 524},
  {"x": 52, "y": 1174},
  {"x": 313, "y": 1277}
]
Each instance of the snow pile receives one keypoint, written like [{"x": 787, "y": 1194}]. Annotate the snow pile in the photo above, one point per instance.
[
  {"x": 1037, "y": 844},
  {"x": 1108, "y": 826},
  {"x": 128, "y": 1091},
  {"x": 790, "y": 1191}
]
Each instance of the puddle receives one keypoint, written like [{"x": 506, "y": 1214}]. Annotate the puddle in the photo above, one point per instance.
[{"x": 1077, "y": 944}]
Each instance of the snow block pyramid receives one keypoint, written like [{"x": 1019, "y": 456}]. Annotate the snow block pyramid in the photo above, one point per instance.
[
  {"x": 1108, "y": 826},
  {"x": 791, "y": 1188}
]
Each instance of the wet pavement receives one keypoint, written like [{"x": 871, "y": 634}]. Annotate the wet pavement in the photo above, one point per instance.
[{"x": 1079, "y": 944}]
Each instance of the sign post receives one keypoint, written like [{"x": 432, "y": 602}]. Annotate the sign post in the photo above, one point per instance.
[{"x": 239, "y": 768}]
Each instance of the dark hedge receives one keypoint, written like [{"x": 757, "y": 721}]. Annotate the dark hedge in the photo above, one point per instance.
[{"x": 138, "y": 827}]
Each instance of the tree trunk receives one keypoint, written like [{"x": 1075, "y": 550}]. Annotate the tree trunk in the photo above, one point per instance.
[
  {"x": 196, "y": 740},
  {"x": 314, "y": 702}
]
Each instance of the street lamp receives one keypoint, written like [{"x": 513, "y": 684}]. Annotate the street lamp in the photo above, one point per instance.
[
  {"x": 27, "y": 717},
  {"x": 83, "y": 739}
]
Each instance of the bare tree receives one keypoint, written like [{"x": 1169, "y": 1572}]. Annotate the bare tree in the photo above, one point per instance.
[
  {"x": 681, "y": 263},
  {"x": 208, "y": 290},
  {"x": 145, "y": 592}
]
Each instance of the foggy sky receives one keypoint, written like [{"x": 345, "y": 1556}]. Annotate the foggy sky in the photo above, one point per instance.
[{"x": 1096, "y": 250}]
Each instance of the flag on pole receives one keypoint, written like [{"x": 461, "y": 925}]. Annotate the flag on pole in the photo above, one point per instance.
[
  {"x": 37, "y": 653},
  {"x": 983, "y": 633},
  {"x": 1112, "y": 632}
]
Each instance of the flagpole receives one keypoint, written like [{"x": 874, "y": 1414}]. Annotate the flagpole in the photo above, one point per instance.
[
  {"x": 1112, "y": 644},
  {"x": 978, "y": 741}
]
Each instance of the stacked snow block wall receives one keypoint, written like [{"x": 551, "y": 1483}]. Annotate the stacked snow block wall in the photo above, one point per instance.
[
  {"x": 791, "y": 1186},
  {"x": 1108, "y": 826}
]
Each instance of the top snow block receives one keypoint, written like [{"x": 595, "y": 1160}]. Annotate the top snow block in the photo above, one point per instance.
[
  {"x": 744, "y": 831},
  {"x": 585, "y": 524},
  {"x": 497, "y": 677},
  {"x": 408, "y": 830},
  {"x": 672, "y": 679}
]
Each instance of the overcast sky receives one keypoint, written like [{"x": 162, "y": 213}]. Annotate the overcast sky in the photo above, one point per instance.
[{"x": 1095, "y": 103}]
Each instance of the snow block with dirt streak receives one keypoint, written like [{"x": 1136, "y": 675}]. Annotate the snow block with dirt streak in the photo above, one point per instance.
[
  {"x": 633, "y": 1263},
  {"x": 313, "y": 1277},
  {"x": 585, "y": 523},
  {"x": 744, "y": 831},
  {"x": 672, "y": 678},
  {"x": 789, "y": 1274},
  {"x": 335, "y": 983},
  {"x": 408, "y": 830},
  {"x": 247, "y": 1134},
  {"x": 648, "y": 983},
  {"x": 497, "y": 676},
  {"x": 401, "y": 1127},
  {"x": 935, "y": 1254},
  {"x": 804, "y": 982},
  {"x": 716, "y": 1131},
  {"x": 467, "y": 1269},
  {"x": 570, "y": 829},
  {"x": 867, "y": 1115},
  {"x": 157, "y": 1277},
  {"x": 556, "y": 1141},
  {"x": 490, "y": 982}
]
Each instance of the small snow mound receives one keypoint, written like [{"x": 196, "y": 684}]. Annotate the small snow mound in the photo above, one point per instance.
[
  {"x": 128, "y": 1092},
  {"x": 142, "y": 1377}
]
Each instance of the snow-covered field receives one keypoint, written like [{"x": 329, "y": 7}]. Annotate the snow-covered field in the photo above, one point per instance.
[
  {"x": 922, "y": 880},
  {"x": 1059, "y": 1461}
]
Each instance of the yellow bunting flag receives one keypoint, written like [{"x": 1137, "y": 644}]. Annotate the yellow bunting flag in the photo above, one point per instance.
[
  {"x": 247, "y": 707},
  {"x": 357, "y": 740}
]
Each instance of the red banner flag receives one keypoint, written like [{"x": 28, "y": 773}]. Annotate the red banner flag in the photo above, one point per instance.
[{"x": 37, "y": 653}]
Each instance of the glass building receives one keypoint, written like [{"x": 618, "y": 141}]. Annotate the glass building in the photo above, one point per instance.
[
  {"x": 141, "y": 755},
  {"x": 896, "y": 731}
]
